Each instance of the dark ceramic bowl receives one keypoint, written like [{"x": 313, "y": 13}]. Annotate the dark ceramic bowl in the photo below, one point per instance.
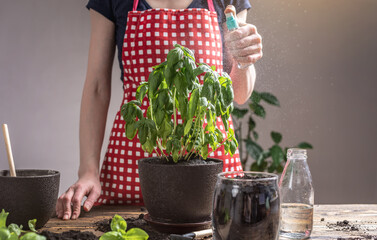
[{"x": 30, "y": 195}]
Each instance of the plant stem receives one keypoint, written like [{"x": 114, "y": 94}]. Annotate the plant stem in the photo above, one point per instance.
[{"x": 174, "y": 110}]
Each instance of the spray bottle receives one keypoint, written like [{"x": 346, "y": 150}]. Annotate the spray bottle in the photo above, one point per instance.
[{"x": 232, "y": 25}]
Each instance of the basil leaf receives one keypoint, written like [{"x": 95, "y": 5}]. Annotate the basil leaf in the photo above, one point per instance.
[
  {"x": 143, "y": 134},
  {"x": 141, "y": 91},
  {"x": 160, "y": 116},
  {"x": 183, "y": 106},
  {"x": 169, "y": 75},
  {"x": 14, "y": 228},
  {"x": 201, "y": 69},
  {"x": 112, "y": 236},
  {"x": 31, "y": 224},
  {"x": 188, "y": 126},
  {"x": 31, "y": 236},
  {"x": 193, "y": 103},
  {"x": 4, "y": 233},
  {"x": 232, "y": 148},
  {"x": 136, "y": 234},
  {"x": 3, "y": 218},
  {"x": 181, "y": 84},
  {"x": 154, "y": 81},
  {"x": 174, "y": 56},
  {"x": 118, "y": 224},
  {"x": 225, "y": 122},
  {"x": 130, "y": 130}
]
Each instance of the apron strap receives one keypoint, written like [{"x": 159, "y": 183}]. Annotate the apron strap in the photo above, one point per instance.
[
  {"x": 136, "y": 2},
  {"x": 210, "y": 5}
]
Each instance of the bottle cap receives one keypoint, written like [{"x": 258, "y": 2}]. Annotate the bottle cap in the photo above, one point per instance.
[{"x": 297, "y": 153}]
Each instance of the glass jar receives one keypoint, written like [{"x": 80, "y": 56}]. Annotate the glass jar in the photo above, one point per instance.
[
  {"x": 297, "y": 196},
  {"x": 246, "y": 205}
]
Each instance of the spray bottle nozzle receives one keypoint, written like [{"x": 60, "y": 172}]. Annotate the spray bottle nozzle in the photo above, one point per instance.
[{"x": 231, "y": 21}]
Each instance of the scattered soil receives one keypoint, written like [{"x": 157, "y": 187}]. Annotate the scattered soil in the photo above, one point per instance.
[
  {"x": 259, "y": 176},
  {"x": 346, "y": 226},
  {"x": 104, "y": 226},
  {"x": 70, "y": 235}
]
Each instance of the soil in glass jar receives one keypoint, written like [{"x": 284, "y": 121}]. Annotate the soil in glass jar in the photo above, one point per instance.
[{"x": 246, "y": 208}]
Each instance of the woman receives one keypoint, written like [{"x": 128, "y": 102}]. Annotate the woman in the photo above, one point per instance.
[{"x": 144, "y": 31}]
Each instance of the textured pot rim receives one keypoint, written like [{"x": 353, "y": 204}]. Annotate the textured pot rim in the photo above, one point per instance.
[
  {"x": 269, "y": 176},
  {"x": 217, "y": 161},
  {"x": 48, "y": 173}
]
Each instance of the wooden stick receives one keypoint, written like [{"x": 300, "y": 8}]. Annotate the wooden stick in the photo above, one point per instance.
[{"x": 9, "y": 150}]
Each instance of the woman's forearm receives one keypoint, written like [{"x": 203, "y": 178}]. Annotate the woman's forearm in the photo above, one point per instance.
[
  {"x": 94, "y": 107},
  {"x": 96, "y": 94},
  {"x": 243, "y": 82}
]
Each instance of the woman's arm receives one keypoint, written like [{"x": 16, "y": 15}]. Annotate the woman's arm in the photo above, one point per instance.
[
  {"x": 94, "y": 106},
  {"x": 245, "y": 47}
]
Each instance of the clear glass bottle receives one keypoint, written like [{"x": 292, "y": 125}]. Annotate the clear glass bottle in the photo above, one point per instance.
[{"x": 297, "y": 196}]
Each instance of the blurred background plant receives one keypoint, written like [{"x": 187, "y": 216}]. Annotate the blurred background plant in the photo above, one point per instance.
[{"x": 271, "y": 159}]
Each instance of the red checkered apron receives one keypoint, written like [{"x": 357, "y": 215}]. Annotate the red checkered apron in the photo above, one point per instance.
[{"x": 148, "y": 38}]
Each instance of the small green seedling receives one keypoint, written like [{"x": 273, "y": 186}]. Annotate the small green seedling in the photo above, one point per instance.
[
  {"x": 119, "y": 231},
  {"x": 15, "y": 232}
]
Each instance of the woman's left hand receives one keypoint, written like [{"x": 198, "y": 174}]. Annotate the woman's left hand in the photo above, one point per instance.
[{"x": 244, "y": 44}]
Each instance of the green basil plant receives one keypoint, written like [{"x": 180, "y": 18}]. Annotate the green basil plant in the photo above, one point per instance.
[
  {"x": 15, "y": 232},
  {"x": 119, "y": 231},
  {"x": 174, "y": 88}
]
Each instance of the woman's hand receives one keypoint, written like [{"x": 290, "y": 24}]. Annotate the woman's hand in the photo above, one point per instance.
[
  {"x": 244, "y": 44},
  {"x": 68, "y": 205}
]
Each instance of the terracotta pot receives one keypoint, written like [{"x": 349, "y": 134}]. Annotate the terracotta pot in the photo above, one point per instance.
[
  {"x": 30, "y": 195},
  {"x": 178, "y": 193}
]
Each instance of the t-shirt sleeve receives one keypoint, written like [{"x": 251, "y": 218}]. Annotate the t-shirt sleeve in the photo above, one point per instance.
[{"x": 104, "y": 7}]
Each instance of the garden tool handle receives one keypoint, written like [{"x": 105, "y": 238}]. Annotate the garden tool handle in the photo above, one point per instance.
[
  {"x": 203, "y": 233},
  {"x": 9, "y": 150}
]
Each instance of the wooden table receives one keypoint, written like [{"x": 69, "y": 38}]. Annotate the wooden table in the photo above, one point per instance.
[{"x": 362, "y": 220}]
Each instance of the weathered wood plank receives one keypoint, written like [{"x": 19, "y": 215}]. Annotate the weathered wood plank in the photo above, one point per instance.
[
  {"x": 363, "y": 219},
  {"x": 360, "y": 217},
  {"x": 87, "y": 219}
]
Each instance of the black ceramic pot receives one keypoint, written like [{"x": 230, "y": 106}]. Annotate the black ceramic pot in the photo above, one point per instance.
[
  {"x": 246, "y": 205},
  {"x": 30, "y": 195},
  {"x": 178, "y": 193}
]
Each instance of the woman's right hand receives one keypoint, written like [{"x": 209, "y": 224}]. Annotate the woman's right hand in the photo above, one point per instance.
[{"x": 68, "y": 205}]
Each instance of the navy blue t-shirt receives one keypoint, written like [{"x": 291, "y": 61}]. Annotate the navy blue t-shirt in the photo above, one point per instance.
[{"x": 117, "y": 11}]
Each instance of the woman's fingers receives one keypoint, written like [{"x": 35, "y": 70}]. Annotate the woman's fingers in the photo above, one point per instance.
[
  {"x": 244, "y": 52},
  {"x": 230, "y": 9},
  {"x": 65, "y": 202},
  {"x": 92, "y": 198},
  {"x": 242, "y": 32},
  {"x": 59, "y": 208},
  {"x": 250, "y": 59},
  {"x": 76, "y": 201}
]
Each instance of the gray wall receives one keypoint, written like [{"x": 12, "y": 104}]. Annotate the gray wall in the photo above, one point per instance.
[{"x": 319, "y": 60}]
